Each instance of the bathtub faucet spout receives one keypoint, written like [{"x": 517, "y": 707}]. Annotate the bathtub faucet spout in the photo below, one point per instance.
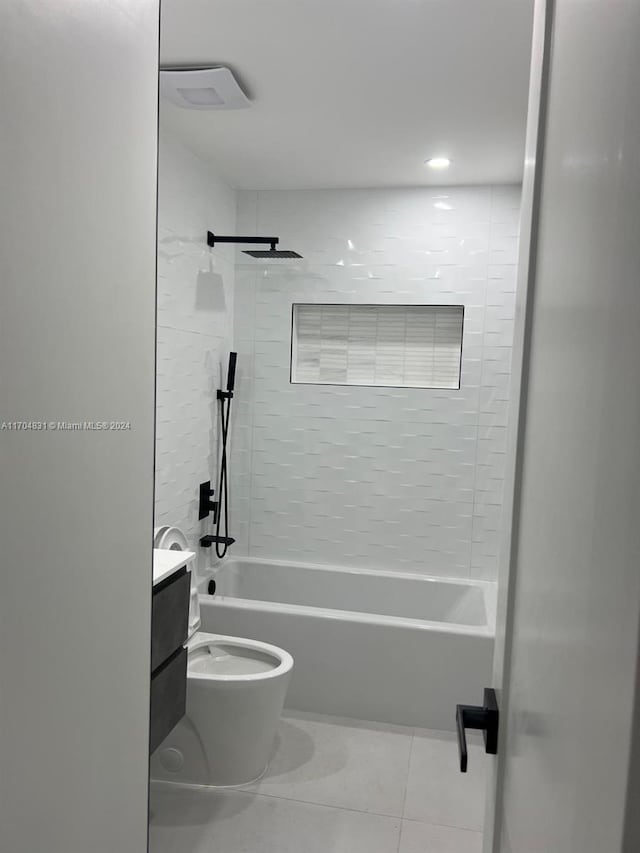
[{"x": 208, "y": 541}]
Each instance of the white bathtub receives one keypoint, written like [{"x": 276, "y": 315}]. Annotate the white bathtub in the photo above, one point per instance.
[{"x": 386, "y": 646}]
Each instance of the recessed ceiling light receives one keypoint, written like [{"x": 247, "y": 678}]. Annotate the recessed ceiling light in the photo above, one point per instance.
[{"x": 438, "y": 162}]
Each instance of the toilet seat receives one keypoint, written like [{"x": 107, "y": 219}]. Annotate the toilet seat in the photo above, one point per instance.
[{"x": 221, "y": 658}]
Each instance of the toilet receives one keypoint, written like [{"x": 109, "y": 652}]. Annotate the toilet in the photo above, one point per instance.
[{"x": 235, "y": 694}]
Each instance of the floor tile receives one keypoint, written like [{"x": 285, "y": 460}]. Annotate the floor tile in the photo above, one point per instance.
[
  {"x": 173, "y": 826},
  {"x": 244, "y": 822},
  {"x": 437, "y": 792},
  {"x": 427, "y": 838},
  {"x": 338, "y": 762}
]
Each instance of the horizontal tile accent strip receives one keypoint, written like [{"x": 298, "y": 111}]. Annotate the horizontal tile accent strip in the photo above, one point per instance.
[{"x": 406, "y": 346}]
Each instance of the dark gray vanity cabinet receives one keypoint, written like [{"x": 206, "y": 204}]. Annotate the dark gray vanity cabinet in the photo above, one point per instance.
[{"x": 169, "y": 629}]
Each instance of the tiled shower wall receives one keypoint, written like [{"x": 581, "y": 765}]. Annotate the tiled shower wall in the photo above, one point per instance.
[
  {"x": 195, "y": 326},
  {"x": 387, "y": 478}
]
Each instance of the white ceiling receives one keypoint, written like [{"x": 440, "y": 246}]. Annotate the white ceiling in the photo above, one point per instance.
[{"x": 357, "y": 93}]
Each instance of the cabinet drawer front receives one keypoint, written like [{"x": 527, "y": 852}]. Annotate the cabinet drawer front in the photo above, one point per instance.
[
  {"x": 169, "y": 617},
  {"x": 168, "y": 697}
]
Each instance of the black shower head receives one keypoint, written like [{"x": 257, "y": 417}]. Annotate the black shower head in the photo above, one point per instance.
[{"x": 271, "y": 253}]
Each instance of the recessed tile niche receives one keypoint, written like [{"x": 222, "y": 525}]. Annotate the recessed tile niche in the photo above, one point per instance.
[{"x": 405, "y": 346}]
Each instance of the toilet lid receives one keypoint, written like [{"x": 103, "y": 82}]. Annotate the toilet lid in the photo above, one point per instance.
[
  {"x": 158, "y": 533},
  {"x": 173, "y": 539}
]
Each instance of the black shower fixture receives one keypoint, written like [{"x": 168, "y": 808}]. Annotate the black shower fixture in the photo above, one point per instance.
[
  {"x": 271, "y": 252},
  {"x": 206, "y": 505}
]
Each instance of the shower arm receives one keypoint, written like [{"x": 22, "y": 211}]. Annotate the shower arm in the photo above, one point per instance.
[{"x": 212, "y": 239}]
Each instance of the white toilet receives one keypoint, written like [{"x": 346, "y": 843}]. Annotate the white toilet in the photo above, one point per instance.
[{"x": 235, "y": 694}]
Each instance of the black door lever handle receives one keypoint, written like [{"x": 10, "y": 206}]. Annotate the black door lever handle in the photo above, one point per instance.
[{"x": 483, "y": 717}]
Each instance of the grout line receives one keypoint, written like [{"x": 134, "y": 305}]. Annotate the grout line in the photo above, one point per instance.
[
  {"x": 209, "y": 335},
  {"x": 440, "y": 823},
  {"x": 204, "y": 790},
  {"x": 211, "y": 791},
  {"x": 406, "y": 787},
  {"x": 351, "y": 809}
]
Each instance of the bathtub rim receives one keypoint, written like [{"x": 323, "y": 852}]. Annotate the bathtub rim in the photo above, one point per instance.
[{"x": 488, "y": 589}]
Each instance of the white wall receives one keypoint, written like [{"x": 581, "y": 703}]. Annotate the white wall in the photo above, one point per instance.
[
  {"x": 388, "y": 478},
  {"x": 568, "y": 714},
  {"x": 77, "y": 263},
  {"x": 195, "y": 330}
]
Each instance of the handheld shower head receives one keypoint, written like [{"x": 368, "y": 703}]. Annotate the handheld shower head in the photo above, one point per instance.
[{"x": 231, "y": 371}]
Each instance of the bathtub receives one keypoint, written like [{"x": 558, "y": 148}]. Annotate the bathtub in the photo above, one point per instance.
[{"x": 385, "y": 646}]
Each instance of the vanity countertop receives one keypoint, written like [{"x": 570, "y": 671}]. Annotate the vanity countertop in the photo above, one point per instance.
[{"x": 166, "y": 562}]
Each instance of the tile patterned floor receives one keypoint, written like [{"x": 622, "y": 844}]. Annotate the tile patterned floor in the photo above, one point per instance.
[{"x": 335, "y": 786}]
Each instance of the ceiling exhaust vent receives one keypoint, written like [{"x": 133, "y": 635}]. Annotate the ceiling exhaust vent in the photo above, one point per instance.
[{"x": 202, "y": 89}]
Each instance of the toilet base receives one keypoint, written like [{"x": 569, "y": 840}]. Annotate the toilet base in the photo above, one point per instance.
[
  {"x": 181, "y": 758},
  {"x": 173, "y": 782}
]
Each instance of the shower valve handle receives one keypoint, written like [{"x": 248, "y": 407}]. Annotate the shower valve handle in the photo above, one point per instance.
[{"x": 205, "y": 504}]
